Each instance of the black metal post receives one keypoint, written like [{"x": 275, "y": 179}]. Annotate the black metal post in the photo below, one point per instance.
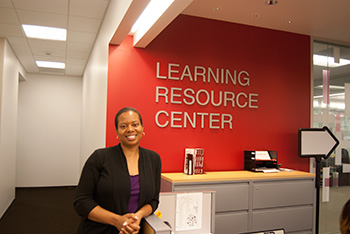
[{"x": 318, "y": 186}]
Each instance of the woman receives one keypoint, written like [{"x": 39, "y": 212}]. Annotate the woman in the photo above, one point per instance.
[
  {"x": 345, "y": 218},
  {"x": 119, "y": 185}
]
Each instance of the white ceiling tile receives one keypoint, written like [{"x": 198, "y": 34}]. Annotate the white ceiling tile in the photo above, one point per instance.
[
  {"x": 77, "y": 55},
  {"x": 18, "y": 41},
  {"x": 80, "y": 47},
  {"x": 49, "y": 58},
  {"x": 8, "y": 15},
  {"x": 92, "y": 8},
  {"x": 11, "y": 30},
  {"x": 6, "y": 3},
  {"x": 82, "y": 24},
  {"x": 36, "y": 18},
  {"x": 81, "y": 62},
  {"x": 83, "y": 37},
  {"x": 48, "y": 52},
  {"x": 28, "y": 63},
  {"x": 76, "y": 70},
  {"x": 47, "y": 44},
  {"x": 50, "y": 6},
  {"x": 27, "y": 58},
  {"x": 22, "y": 50},
  {"x": 31, "y": 68}
]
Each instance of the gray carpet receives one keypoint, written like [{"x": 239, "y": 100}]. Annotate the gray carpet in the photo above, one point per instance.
[{"x": 41, "y": 211}]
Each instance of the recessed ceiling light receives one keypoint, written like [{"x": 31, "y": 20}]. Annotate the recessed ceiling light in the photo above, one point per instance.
[
  {"x": 217, "y": 9},
  {"x": 271, "y": 2},
  {"x": 255, "y": 16},
  {"x": 331, "y": 87},
  {"x": 327, "y": 61},
  {"x": 42, "y": 32},
  {"x": 48, "y": 64}
]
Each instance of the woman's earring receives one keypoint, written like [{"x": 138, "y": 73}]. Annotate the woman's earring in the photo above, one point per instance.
[
  {"x": 143, "y": 133},
  {"x": 117, "y": 137}
]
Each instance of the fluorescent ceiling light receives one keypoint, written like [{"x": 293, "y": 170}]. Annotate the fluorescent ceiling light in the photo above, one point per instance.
[
  {"x": 341, "y": 95},
  {"x": 41, "y": 32},
  {"x": 336, "y": 105},
  {"x": 331, "y": 87},
  {"x": 151, "y": 14},
  {"x": 48, "y": 64},
  {"x": 327, "y": 61},
  {"x": 333, "y": 105}
]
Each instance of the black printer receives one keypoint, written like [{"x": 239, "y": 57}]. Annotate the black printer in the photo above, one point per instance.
[{"x": 257, "y": 160}]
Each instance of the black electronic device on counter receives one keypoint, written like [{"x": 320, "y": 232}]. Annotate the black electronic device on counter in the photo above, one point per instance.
[{"x": 257, "y": 160}]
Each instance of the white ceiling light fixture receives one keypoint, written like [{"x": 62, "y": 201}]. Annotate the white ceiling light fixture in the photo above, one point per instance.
[
  {"x": 331, "y": 87},
  {"x": 333, "y": 105},
  {"x": 48, "y": 64},
  {"x": 327, "y": 61},
  {"x": 335, "y": 95},
  {"x": 47, "y": 33},
  {"x": 151, "y": 14}
]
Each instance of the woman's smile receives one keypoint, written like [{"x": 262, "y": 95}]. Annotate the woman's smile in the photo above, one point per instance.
[{"x": 131, "y": 137}]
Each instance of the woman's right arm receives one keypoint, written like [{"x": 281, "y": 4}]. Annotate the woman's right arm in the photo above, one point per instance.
[
  {"x": 84, "y": 202},
  {"x": 100, "y": 215}
]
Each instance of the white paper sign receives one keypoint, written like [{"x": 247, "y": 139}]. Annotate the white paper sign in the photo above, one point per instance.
[
  {"x": 188, "y": 211},
  {"x": 262, "y": 155},
  {"x": 325, "y": 182}
]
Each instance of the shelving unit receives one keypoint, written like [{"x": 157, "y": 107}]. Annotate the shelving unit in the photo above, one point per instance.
[{"x": 249, "y": 201}]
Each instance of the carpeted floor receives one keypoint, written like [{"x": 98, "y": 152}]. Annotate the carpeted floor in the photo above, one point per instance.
[{"x": 41, "y": 211}]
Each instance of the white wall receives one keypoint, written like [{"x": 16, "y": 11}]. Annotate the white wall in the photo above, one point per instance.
[
  {"x": 61, "y": 119},
  {"x": 49, "y": 122},
  {"x": 93, "y": 131},
  {"x": 10, "y": 70}
]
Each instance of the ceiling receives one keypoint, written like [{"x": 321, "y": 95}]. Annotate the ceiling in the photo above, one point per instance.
[
  {"x": 82, "y": 19},
  {"x": 322, "y": 19}
]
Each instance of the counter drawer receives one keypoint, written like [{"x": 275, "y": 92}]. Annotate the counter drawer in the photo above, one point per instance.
[
  {"x": 286, "y": 193},
  {"x": 231, "y": 222},
  {"x": 291, "y": 219},
  {"x": 228, "y": 197}
]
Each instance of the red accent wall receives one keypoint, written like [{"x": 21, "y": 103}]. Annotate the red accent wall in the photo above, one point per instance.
[{"x": 278, "y": 68}]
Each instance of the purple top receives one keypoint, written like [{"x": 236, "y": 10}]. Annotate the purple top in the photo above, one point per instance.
[{"x": 135, "y": 193}]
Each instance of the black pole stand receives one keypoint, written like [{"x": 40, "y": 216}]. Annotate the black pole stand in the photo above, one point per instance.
[
  {"x": 318, "y": 186},
  {"x": 318, "y": 157}
]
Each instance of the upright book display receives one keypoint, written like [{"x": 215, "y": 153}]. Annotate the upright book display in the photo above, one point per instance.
[{"x": 194, "y": 160}]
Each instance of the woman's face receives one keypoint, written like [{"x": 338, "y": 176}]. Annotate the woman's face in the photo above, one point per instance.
[{"x": 129, "y": 129}]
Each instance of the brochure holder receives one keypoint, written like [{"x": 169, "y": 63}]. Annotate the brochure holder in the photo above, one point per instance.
[{"x": 184, "y": 213}]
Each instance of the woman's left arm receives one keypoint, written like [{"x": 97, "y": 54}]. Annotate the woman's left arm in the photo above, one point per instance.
[
  {"x": 156, "y": 180},
  {"x": 144, "y": 211}
]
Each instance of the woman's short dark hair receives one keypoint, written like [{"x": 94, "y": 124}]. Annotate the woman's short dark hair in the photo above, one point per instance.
[{"x": 123, "y": 110}]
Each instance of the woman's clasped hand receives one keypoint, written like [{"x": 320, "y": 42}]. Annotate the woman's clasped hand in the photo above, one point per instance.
[{"x": 131, "y": 225}]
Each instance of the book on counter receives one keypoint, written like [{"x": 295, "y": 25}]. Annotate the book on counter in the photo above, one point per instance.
[{"x": 194, "y": 160}]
